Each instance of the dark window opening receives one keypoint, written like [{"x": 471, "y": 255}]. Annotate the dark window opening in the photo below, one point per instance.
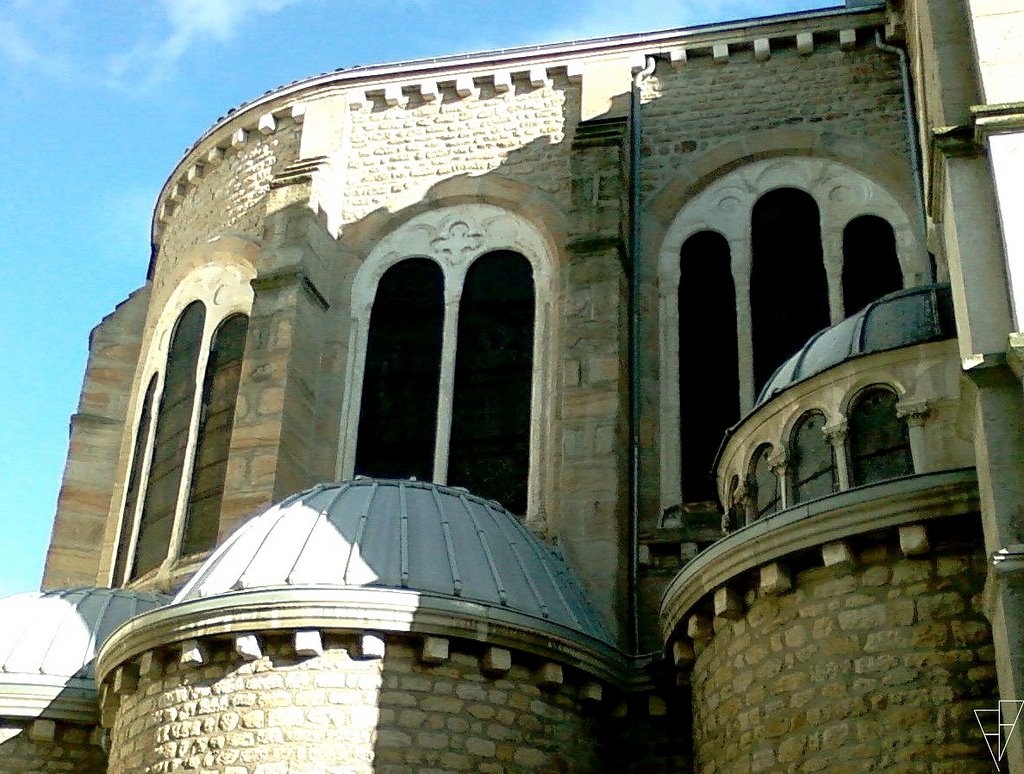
[
  {"x": 398, "y": 414},
  {"x": 812, "y": 461},
  {"x": 216, "y": 418},
  {"x": 871, "y": 268},
  {"x": 788, "y": 286},
  {"x": 171, "y": 441},
  {"x": 879, "y": 440},
  {"x": 763, "y": 484},
  {"x": 708, "y": 359},
  {"x": 489, "y": 452},
  {"x": 131, "y": 499}
]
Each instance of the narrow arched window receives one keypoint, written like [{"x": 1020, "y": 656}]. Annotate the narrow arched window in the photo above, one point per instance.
[
  {"x": 489, "y": 451},
  {"x": 216, "y": 418},
  {"x": 398, "y": 410},
  {"x": 708, "y": 359},
  {"x": 763, "y": 484},
  {"x": 871, "y": 267},
  {"x": 788, "y": 286},
  {"x": 812, "y": 462},
  {"x": 732, "y": 519},
  {"x": 170, "y": 442},
  {"x": 879, "y": 440},
  {"x": 131, "y": 498}
]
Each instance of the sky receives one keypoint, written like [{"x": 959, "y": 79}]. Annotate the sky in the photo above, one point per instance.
[{"x": 100, "y": 99}]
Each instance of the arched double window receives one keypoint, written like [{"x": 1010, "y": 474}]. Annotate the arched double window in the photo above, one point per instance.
[
  {"x": 490, "y": 370},
  {"x": 879, "y": 441},
  {"x": 179, "y": 455},
  {"x": 811, "y": 459}
]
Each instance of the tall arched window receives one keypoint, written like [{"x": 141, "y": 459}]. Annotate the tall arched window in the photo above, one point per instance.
[
  {"x": 213, "y": 440},
  {"x": 879, "y": 440},
  {"x": 708, "y": 359},
  {"x": 812, "y": 462},
  {"x": 489, "y": 451},
  {"x": 131, "y": 499},
  {"x": 398, "y": 413},
  {"x": 788, "y": 286},
  {"x": 763, "y": 486},
  {"x": 871, "y": 267},
  {"x": 170, "y": 442}
]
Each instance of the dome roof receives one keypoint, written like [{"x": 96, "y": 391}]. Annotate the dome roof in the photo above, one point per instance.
[
  {"x": 912, "y": 316},
  {"x": 48, "y": 645},
  {"x": 405, "y": 535}
]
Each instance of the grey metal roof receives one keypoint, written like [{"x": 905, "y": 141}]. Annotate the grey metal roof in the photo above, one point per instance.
[
  {"x": 408, "y": 535},
  {"x": 48, "y": 645},
  {"x": 912, "y": 316}
]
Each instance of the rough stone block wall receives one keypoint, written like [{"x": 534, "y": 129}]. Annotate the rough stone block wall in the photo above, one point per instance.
[
  {"x": 69, "y": 751},
  {"x": 526, "y": 132},
  {"x": 229, "y": 197},
  {"x": 876, "y": 667},
  {"x": 94, "y": 444},
  {"x": 333, "y": 713},
  {"x": 690, "y": 109}
]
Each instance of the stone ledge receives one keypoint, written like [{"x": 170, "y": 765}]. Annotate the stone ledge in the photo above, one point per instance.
[{"x": 856, "y": 511}]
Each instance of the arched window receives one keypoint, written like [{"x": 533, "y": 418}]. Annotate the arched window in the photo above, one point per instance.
[
  {"x": 871, "y": 268},
  {"x": 788, "y": 286},
  {"x": 812, "y": 462},
  {"x": 733, "y": 516},
  {"x": 763, "y": 484},
  {"x": 173, "y": 420},
  {"x": 398, "y": 413},
  {"x": 489, "y": 450},
  {"x": 879, "y": 440},
  {"x": 213, "y": 440},
  {"x": 708, "y": 359},
  {"x": 131, "y": 499}
]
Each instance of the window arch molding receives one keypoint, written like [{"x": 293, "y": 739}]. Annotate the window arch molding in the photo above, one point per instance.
[
  {"x": 724, "y": 206},
  {"x": 454, "y": 237},
  {"x": 224, "y": 290}
]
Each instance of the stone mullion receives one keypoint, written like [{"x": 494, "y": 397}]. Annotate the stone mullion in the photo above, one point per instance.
[
  {"x": 836, "y": 435},
  {"x": 740, "y": 250},
  {"x": 832, "y": 256},
  {"x": 446, "y": 389}
]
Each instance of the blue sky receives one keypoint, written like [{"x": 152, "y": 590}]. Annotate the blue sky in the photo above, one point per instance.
[{"x": 101, "y": 98}]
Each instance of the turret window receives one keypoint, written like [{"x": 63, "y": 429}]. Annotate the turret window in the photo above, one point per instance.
[
  {"x": 879, "y": 440},
  {"x": 812, "y": 463},
  {"x": 763, "y": 483}
]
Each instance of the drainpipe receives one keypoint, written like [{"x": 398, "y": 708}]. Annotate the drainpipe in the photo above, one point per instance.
[
  {"x": 633, "y": 316},
  {"x": 911, "y": 129}
]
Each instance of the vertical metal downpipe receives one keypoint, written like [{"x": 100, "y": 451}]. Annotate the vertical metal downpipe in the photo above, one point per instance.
[
  {"x": 633, "y": 318},
  {"x": 911, "y": 128}
]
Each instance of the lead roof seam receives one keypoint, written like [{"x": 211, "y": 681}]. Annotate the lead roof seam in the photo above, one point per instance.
[
  {"x": 496, "y": 517},
  {"x": 94, "y": 634},
  {"x": 281, "y": 513},
  {"x": 403, "y": 527},
  {"x": 555, "y": 582},
  {"x": 360, "y": 528},
  {"x": 449, "y": 546},
  {"x": 214, "y": 561},
  {"x": 320, "y": 517},
  {"x": 69, "y": 612},
  {"x": 482, "y": 537}
]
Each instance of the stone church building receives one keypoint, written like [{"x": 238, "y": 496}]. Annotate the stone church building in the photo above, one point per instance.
[{"x": 651, "y": 403}]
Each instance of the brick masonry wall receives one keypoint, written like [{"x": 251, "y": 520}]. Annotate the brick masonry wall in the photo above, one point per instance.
[
  {"x": 333, "y": 713},
  {"x": 70, "y": 750},
  {"x": 690, "y": 109},
  {"x": 525, "y": 131},
  {"x": 230, "y": 195},
  {"x": 877, "y": 667}
]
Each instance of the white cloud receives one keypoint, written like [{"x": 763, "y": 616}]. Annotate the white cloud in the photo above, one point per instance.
[
  {"x": 33, "y": 36},
  {"x": 188, "y": 23}
]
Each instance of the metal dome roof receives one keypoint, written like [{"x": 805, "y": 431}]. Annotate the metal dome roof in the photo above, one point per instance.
[
  {"x": 912, "y": 316},
  {"x": 48, "y": 645},
  {"x": 406, "y": 535}
]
